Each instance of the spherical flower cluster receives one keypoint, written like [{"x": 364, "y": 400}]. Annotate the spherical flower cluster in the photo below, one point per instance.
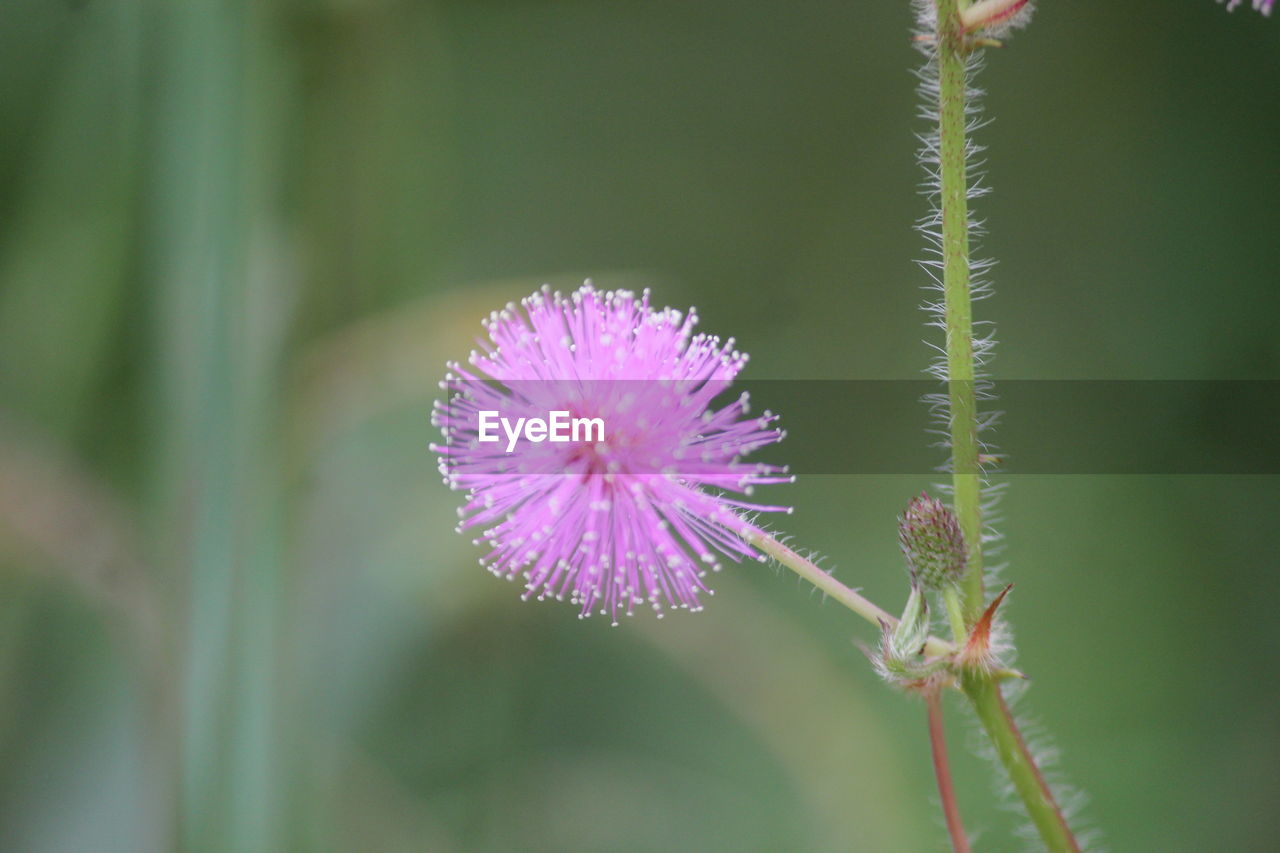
[
  {"x": 1263, "y": 6},
  {"x": 987, "y": 18},
  {"x": 996, "y": 18},
  {"x": 930, "y": 537},
  {"x": 630, "y": 520}
]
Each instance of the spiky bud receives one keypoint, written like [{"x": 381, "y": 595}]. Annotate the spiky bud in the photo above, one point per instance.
[
  {"x": 900, "y": 659},
  {"x": 930, "y": 536},
  {"x": 907, "y": 639}
]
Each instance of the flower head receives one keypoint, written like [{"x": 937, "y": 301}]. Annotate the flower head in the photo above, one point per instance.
[
  {"x": 996, "y": 18},
  {"x": 930, "y": 537},
  {"x": 1263, "y": 6},
  {"x": 635, "y": 513}
]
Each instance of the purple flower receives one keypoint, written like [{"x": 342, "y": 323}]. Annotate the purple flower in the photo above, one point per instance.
[
  {"x": 1263, "y": 6},
  {"x": 634, "y": 513}
]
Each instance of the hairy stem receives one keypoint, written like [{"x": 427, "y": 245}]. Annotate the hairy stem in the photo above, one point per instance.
[
  {"x": 1026, "y": 777},
  {"x": 942, "y": 770},
  {"x": 981, "y": 688},
  {"x": 832, "y": 587},
  {"x": 966, "y": 477}
]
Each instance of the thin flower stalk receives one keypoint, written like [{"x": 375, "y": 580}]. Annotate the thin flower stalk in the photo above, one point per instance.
[{"x": 810, "y": 571}]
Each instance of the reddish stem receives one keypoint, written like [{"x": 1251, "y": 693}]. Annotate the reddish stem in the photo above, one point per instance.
[{"x": 942, "y": 770}]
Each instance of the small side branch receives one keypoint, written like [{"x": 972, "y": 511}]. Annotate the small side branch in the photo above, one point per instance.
[{"x": 934, "y": 647}]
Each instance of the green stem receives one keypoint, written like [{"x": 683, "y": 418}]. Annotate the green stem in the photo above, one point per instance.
[
  {"x": 832, "y": 587},
  {"x": 1026, "y": 777},
  {"x": 981, "y": 688},
  {"x": 966, "y": 477},
  {"x": 955, "y": 613}
]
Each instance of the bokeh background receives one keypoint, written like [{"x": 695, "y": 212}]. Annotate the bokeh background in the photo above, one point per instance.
[{"x": 239, "y": 241}]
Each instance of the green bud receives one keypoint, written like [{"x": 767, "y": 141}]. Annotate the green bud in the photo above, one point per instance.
[
  {"x": 912, "y": 631},
  {"x": 930, "y": 536},
  {"x": 899, "y": 659}
]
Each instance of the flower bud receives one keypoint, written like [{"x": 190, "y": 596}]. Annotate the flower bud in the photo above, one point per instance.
[
  {"x": 930, "y": 536},
  {"x": 912, "y": 631},
  {"x": 996, "y": 17},
  {"x": 900, "y": 659}
]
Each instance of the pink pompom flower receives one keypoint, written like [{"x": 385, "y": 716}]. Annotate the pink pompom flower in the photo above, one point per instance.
[
  {"x": 631, "y": 513},
  {"x": 1263, "y": 6}
]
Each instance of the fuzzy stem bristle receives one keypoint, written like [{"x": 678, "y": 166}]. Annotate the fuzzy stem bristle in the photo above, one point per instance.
[
  {"x": 1042, "y": 807},
  {"x": 948, "y": 96},
  {"x": 966, "y": 472}
]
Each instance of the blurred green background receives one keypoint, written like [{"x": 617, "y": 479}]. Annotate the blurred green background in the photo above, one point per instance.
[{"x": 241, "y": 238}]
